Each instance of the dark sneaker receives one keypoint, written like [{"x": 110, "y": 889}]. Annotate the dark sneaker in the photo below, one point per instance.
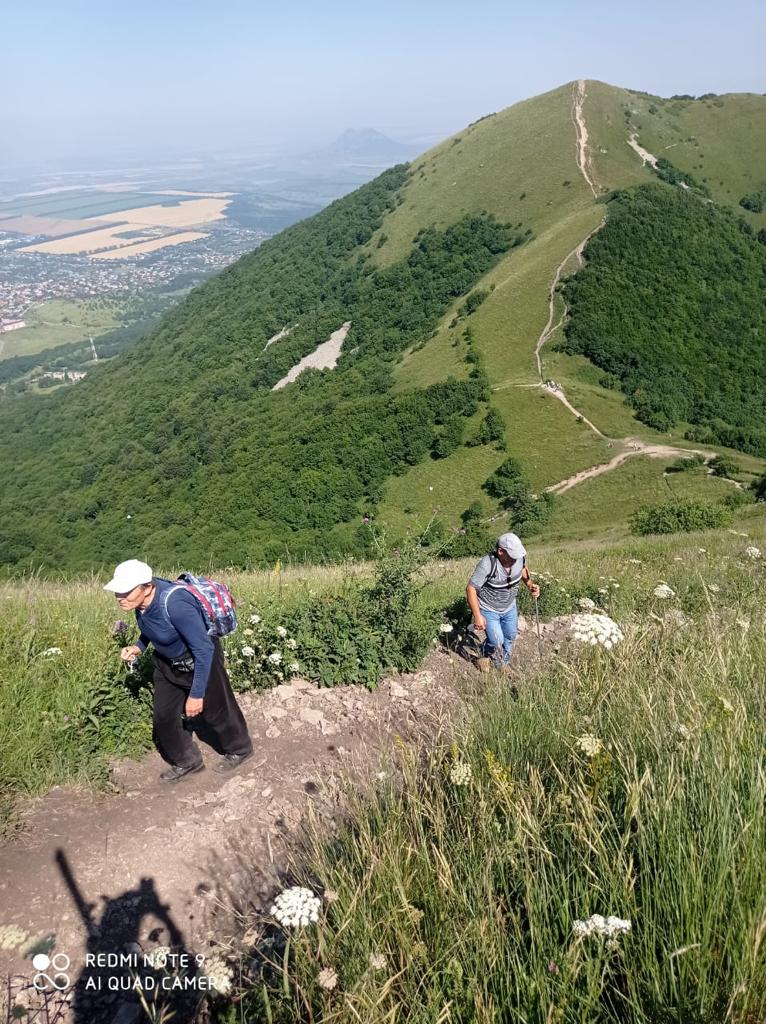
[
  {"x": 230, "y": 762},
  {"x": 176, "y": 772}
]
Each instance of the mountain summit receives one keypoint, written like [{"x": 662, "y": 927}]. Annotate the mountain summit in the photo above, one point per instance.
[
  {"x": 526, "y": 326},
  {"x": 368, "y": 145}
]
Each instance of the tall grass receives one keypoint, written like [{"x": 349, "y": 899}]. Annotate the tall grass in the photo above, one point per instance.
[{"x": 468, "y": 894}]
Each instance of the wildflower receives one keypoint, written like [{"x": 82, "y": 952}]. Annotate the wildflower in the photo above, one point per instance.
[
  {"x": 598, "y": 925},
  {"x": 327, "y": 979},
  {"x": 603, "y": 591},
  {"x": 752, "y": 552},
  {"x": 701, "y": 551},
  {"x": 330, "y": 895},
  {"x": 219, "y": 975},
  {"x": 293, "y": 667},
  {"x": 664, "y": 591},
  {"x": 744, "y": 624},
  {"x": 158, "y": 957},
  {"x": 635, "y": 561},
  {"x": 292, "y": 643},
  {"x": 248, "y": 632},
  {"x": 120, "y": 627},
  {"x": 586, "y": 604},
  {"x": 254, "y": 620},
  {"x": 248, "y": 652},
  {"x": 590, "y": 745},
  {"x": 714, "y": 588},
  {"x": 281, "y": 631},
  {"x": 683, "y": 732},
  {"x": 50, "y": 652},
  {"x": 596, "y": 630},
  {"x": 296, "y": 907},
  {"x": 726, "y": 704},
  {"x": 377, "y": 961},
  {"x": 275, "y": 658},
  {"x": 461, "y": 773},
  {"x": 446, "y": 627}
]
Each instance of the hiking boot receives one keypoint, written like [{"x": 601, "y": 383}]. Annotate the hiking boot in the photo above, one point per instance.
[
  {"x": 230, "y": 762},
  {"x": 176, "y": 772}
]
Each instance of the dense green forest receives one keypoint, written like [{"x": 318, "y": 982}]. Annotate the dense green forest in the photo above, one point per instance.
[
  {"x": 180, "y": 452},
  {"x": 671, "y": 305}
]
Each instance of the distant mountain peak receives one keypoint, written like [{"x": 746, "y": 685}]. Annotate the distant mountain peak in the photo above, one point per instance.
[{"x": 369, "y": 144}]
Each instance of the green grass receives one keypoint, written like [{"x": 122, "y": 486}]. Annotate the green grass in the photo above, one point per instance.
[
  {"x": 468, "y": 894},
  {"x": 56, "y": 323},
  {"x": 606, "y": 502}
]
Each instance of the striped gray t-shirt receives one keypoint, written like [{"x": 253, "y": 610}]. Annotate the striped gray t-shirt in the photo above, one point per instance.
[{"x": 497, "y": 587}]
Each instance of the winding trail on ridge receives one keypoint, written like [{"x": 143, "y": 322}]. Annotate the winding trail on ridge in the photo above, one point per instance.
[{"x": 630, "y": 446}]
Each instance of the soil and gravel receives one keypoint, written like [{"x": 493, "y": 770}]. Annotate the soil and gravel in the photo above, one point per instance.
[{"x": 148, "y": 864}]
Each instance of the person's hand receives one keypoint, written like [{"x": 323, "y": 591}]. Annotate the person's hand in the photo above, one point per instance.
[
  {"x": 534, "y": 590},
  {"x": 194, "y": 706},
  {"x": 479, "y": 621},
  {"x": 130, "y": 652}
]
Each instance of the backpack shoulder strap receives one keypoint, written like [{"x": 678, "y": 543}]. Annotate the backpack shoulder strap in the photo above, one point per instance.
[{"x": 165, "y": 599}]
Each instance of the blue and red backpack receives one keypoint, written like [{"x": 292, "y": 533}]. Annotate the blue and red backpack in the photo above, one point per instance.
[{"x": 214, "y": 598}]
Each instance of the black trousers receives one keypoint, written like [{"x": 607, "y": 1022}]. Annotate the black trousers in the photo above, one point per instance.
[{"x": 222, "y": 724}]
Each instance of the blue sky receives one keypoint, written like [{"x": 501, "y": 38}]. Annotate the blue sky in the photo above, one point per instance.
[{"x": 163, "y": 78}]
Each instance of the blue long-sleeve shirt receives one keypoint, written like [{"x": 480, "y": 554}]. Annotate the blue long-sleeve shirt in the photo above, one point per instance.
[{"x": 185, "y": 634}]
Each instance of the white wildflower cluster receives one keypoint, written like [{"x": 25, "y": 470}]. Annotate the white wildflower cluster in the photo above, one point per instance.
[
  {"x": 158, "y": 957},
  {"x": 327, "y": 979},
  {"x": 590, "y": 745},
  {"x": 248, "y": 652},
  {"x": 608, "y": 927},
  {"x": 461, "y": 773},
  {"x": 586, "y": 604},
  {"x": 219, "y": 975},
  {"x": 281, "y": 631},
  {"x": 275, "y": 658},
  {"x": 446, "y": 627},
  {"x": 51, "y": 652},
  {"x": 377, "y": 961},
  {"x": 753, "y": 552},
  {"x": 293, "y": 668},
  {"x": 596, "y": 630},
  {"x": 296, "y": 907},
  {"x": 254, "y": 620},
  {"x": 664, "y": 591}
]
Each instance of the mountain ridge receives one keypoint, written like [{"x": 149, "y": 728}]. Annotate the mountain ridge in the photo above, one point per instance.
[{"x": 518, "y": 168}]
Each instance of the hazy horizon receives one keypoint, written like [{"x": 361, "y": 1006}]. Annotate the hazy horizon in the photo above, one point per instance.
[{"x": 150, "y": 83}]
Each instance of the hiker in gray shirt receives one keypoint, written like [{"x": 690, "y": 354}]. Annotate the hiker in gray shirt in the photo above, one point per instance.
[{"x": 491, "y": 594}]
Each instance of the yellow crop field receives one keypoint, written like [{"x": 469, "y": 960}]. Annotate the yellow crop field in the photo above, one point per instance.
[
  {"x": 150, "y": 246},
  {"x": 104, "y": 238},
  {"x": 186, "y": 214}
]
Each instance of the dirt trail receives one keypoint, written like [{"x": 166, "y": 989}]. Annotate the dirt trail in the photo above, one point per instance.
[
  {"x": 153, "y": 864},
  {"x": 646, "y": 156},
  {"x": 635, "y": 446},
  {"x": 583, "y": 160}
]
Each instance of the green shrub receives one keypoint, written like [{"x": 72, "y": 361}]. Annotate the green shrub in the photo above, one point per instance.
[{"x": 678, "y": 516}]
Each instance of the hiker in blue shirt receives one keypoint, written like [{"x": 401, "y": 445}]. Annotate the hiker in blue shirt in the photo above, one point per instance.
[
  {"x": 192, "y": 691},
  {"x": 491, "y": 594}
]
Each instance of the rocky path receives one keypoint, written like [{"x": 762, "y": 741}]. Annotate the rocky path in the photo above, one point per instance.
[
  {"x": 175, "y": 865},
  {"x": 583, "y": 158}
]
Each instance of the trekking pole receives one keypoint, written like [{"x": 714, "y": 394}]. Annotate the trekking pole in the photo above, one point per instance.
[{"x": 539, "y": 638}]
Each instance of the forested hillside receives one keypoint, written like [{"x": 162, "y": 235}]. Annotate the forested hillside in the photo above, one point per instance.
[
  {"x": 447, "y": 271},
  {"x": 671, "y": 305}
]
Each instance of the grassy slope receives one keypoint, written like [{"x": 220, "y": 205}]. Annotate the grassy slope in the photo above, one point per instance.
[{"x": 533, "y": 144}]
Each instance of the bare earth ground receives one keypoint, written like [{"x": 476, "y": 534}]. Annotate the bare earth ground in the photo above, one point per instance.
[{"x": 173, "y": 865}]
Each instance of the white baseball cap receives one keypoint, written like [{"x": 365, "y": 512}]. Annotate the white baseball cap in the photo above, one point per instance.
[
  {"x": 128, "y": 575},
  {"x": 510, "y": 542}
]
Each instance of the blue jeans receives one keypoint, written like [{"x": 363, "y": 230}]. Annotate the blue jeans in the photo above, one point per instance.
[{"x": 502, "y": 628}]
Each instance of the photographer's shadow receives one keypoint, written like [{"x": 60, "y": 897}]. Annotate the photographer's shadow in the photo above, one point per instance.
[{"x": 99, "y": 989}]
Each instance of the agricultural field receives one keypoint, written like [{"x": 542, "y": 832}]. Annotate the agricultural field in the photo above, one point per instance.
[{"x": 58, "y": 322}]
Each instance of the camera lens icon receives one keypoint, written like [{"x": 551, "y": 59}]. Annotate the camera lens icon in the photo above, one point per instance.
[{"x": 51, "y": 972}]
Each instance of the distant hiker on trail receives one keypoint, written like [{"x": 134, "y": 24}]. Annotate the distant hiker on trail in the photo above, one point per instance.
[
  {"x": 491, "y": 594},
  {"x": 191, "y": 687}
]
